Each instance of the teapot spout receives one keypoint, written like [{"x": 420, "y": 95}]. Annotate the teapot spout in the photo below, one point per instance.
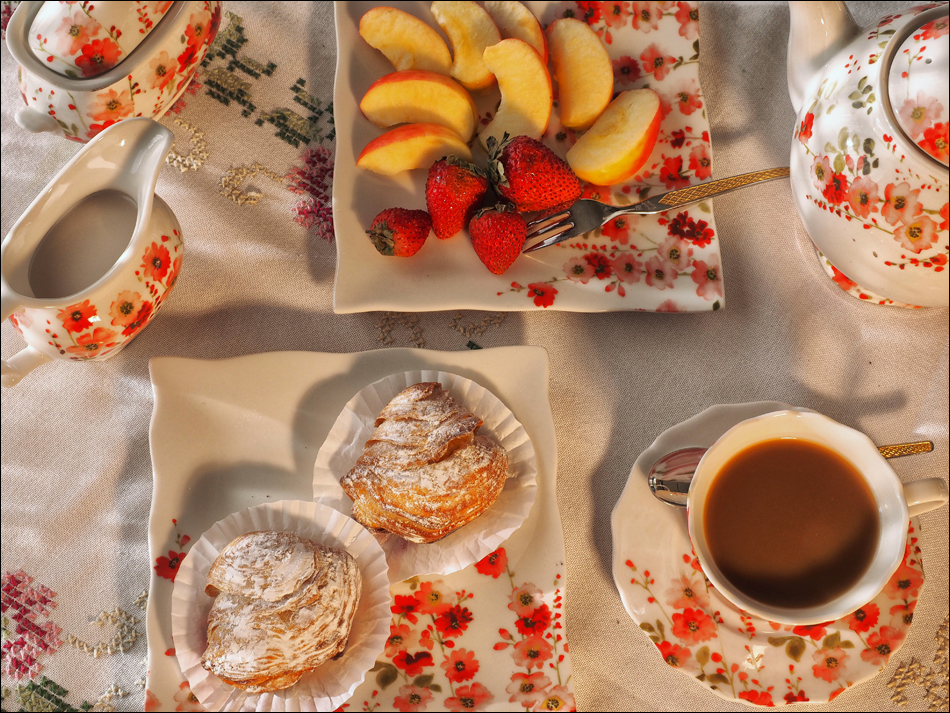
[{"x": 818, "y": 30}]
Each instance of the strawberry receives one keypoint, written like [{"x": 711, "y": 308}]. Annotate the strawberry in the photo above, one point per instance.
[
  {"x": 498, "y": 235},
  {"x": 531, "y": 175},
  {"x": 454, "y": 191},
  {"x": 399, "y": 231}
]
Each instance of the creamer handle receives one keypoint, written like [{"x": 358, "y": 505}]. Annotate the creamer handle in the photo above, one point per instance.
[
  {"x": 22, "y": 363},
  {"x": 36, "y": 122},
  {"x": 925, "y": 495}
]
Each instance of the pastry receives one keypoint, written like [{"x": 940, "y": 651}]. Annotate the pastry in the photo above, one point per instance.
[
  {"x": 282, "y": 606},
  {"x": 424, "y": 472}
]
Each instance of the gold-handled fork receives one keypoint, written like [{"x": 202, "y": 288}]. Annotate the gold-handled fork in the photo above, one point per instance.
[{"x": 587, "y": 215}]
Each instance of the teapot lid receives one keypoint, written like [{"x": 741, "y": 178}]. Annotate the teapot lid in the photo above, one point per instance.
[
  {"x": 85, "y": 39},
  {"x": 918, "y": 87}
]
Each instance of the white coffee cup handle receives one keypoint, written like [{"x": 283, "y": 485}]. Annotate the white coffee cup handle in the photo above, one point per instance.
[
  {"x": 25, "y": 361},
  {"x": 925, "y": 495}
]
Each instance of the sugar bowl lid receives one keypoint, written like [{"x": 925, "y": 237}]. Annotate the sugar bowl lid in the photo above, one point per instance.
[
  {"x": 918, "y": 86},
  {"x": 85, "y": 39}
]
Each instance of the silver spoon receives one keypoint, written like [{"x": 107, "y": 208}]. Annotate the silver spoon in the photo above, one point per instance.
[{"x": 671, "y": 475}]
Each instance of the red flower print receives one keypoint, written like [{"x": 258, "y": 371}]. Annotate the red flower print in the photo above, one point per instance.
[
  {"x": 433, "y": 598},
  {"x": 676, "y": 251},
  {"x": 675, "y": 655},
  {"x": 815, "y": 632},
  {"x": 188, "y": 57},
  {"x": 900, "y": 203},
  {"x": 198, "y": 27},
  {"x": 656, "y": 63},
  {"x": 91, "y": 344},
  {"x": 543, "y": 294},
  {"x": 700, "y": 163},
  {"x": 590, "y": 12},
  {"x": 401, "y": 638},
  {"x": 918, "y": 114},
  {"x": 627, "y": 268},
  {"x": 619, "y": 229},
  {"x": 162, "y": 71},
  {"x": 215, "y": 23},
  {"x": 151, "y": 702},
  {"x": 98, "y": 56},
  {"x": 672, "y": 173},
  {"x": 688, "y": 17},
  {"x": 468, "y": 698},
  {"x": 842, "y": 280},
  {"x": 559, "y": 699},
  {"x": 934, "y": 29},
  {"x": 881, "y": 644},
  {"x": 615, "y": 13},
  {"x": 407, "y": 606},
  {"x": 659, "y": 273},
  {"x": 460, "y": 666},
  {"x": 532, "y": 652},
  {"x": 837, "y": 189},
  {"x": 413, "y": 664},
  {"x": 863, "y": 197},
  {"x": 686, "y": 594},
  {"x": 945, "y": 214},
  {"x": 186, "y": 699},
  {"x": 111, "y": 106},
  {"x": 626, "y": 70},
  {"x": 865, "y": 618},
  {"x": 77, "y": 29},
  {"x": 140, "y": 320},
  {"x": 644, "y": 16},
  {"x": 693, "y": 626},
  {"x": 795, "y": 697},
  {"x": 125, "y": 309},
  {"x": 412, "y": 699},
  {"x": 904, "y": 583},
  {"x": 595, "y": 193},
  {"x": 600, "y": 264},
  {"x": 936, "y": 141},
  {"x": 525, "y": 599},
  {"x": 918, "y": 236},
  {"x": 453, "y": 622},
  {"x": 77, "y": 317},
  {"x": 902, "y": 616},
  {"x": 96, "y": 129},
  {"x": 821, "y": 172},
  {"x": 494, "y": 564},
  {"x": 804, "y": 131},
  {"x": 167, "y": 567},
  {"x": 536, "y": 622},
  {"x": 830, "y": 664},
  {"x": 679, "y": 138},
  {"x": 155, "y": 262},
  {"x": 687, "y": 98},
  {"x": 669, "y": 306},
  {"x": 173, "y": 273},
  {"x": 757, "y": 698},
  {"x": 527, "y": 689},
  {"x": 578, "y": 269}
]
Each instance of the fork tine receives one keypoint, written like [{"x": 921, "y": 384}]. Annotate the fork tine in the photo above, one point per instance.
[
  {"x": 544, "y": 225},
  {"x": 551, "y": 239},
  {"x": 554, "y": 216}
]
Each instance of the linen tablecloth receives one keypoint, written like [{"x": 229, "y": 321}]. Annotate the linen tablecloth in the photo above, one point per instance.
[{"x": 250, "y": 178}]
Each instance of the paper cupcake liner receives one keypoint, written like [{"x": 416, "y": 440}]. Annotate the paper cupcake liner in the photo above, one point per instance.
[
  {"x": 334, "y": 681},
  {"x": 468, "y": 544}
]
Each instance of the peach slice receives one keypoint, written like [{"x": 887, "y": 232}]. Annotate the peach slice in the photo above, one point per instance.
[
  {"x": 416, "y": 96},
  {"x": 525, "y": 91},
  {"x": 407, "y": 41},
  {"x": 411, "y": 146},
  {"x": 470, "y": 30},
  {"x": 620, "y": 141},
  {"x": 585, "y": 77},
  {"x": 515, "y": 20}
]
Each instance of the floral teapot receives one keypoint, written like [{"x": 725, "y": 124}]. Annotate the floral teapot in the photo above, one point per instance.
[
  {"x": 83, "y": 66},
  {"x": 870, "y": 151}
]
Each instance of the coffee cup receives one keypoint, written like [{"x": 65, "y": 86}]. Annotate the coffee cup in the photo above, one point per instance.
[{"x": 889, "y": 506}]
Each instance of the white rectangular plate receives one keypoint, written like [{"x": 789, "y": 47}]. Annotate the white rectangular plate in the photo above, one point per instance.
[{"x": 579, "y": 276}]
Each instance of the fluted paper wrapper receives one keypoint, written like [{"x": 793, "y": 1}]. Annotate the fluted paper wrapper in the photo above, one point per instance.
[
  {"x": 331, "y": 683},
  {"x": 468, "y": 544}
]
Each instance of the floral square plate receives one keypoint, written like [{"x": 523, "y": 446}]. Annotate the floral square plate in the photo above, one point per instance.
[
  {"x": 663, "y": 263},
  {"x": 702, "y": 635},
  {"x": 230, "y": 434}
]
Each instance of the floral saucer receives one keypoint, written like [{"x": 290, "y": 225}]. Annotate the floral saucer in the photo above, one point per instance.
[{"x": 698, "y": 632}]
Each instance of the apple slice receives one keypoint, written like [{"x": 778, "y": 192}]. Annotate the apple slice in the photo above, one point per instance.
[
  {"x": 525, "y": 91},
  {"x": 411, "y": 146},
  {"x": 416, "y": 96},
  {"x": 407, "y": 41},
  {"x": 515, "y": 20},
  {"x": 585, "y": 77},
  {"x": 470, "y": 30},
  {"x": 620, "y": 141}
]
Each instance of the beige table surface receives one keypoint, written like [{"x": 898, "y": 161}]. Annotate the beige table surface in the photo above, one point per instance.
[{"x": 76, "y": 475}]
